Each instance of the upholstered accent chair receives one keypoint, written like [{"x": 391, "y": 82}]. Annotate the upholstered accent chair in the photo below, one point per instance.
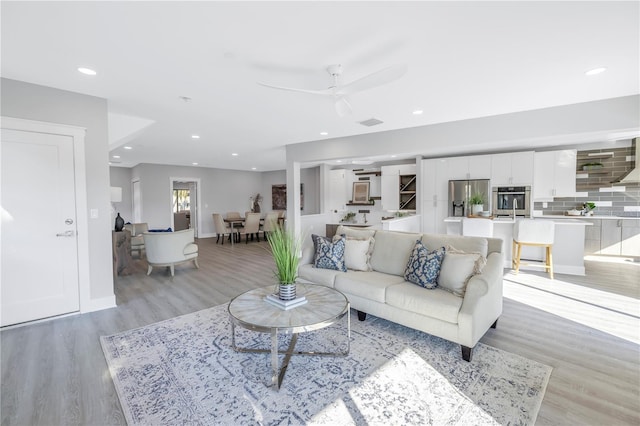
[
  {"x": 222, "y": 228},
  {"x": 170, "y": 249},
  {"x": 251, "y": 227},
  {"x": 137, "y": 241}
]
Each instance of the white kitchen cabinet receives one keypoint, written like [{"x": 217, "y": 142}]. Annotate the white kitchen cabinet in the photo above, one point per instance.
[
  {"x": 469, "y": 167},
  {"x": 434, "y": 212},
  {"x": 389, "y": 189},
  {"x": 513, "y": 168},
  {"x": 337, "y": 190},
  {"x": 390, "y": 184},
  {"x": 554, "y": 174}
]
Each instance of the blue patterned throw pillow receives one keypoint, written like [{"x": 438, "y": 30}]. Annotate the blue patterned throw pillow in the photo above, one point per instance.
[
  {"x": 424, "y": 266},
  {"x": 330, "y": 255}
]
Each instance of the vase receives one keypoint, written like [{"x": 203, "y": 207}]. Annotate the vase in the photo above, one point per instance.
[
  {"x": 119, "y": 223},
  {"x": 287, "y": 291},
  {"x": 477, "y": 208}
]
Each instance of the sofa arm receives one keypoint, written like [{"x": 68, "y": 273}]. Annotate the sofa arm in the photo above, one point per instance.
[{"x": 482, "y": 303}]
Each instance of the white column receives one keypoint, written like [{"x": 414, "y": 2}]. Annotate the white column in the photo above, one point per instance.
[{"x": 293, "y": 196}]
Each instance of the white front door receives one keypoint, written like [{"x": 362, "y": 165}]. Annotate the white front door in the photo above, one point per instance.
[{"x": 39, "y": 238}]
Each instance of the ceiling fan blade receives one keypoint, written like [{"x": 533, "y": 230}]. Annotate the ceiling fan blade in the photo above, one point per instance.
[
  {"x": 343, "y": 107},
  {"x": 378, "y": 78},
  {"x": 313, "y": 92}
]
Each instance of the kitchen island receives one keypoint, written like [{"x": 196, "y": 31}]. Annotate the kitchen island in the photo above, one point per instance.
[{"x": 568, "y": 246}]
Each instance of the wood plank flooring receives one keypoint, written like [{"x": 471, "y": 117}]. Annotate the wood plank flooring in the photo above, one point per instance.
[{"x": 54, "y": 372}]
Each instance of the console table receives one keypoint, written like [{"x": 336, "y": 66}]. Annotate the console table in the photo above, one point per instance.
[{"x": 121, "y": 248}]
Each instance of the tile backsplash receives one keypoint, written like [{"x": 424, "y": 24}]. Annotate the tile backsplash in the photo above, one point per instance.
[{"x": 599, "y": 187}]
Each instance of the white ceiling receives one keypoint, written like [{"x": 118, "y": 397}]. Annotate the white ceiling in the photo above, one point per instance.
[{"x": 465, "y": 60}]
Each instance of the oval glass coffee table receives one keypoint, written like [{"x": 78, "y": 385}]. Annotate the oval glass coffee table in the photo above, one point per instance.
[{"x": 325, "y": 306}]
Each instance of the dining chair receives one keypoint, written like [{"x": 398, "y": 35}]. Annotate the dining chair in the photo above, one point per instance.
[
  {"x": 238, "y": 225},
  {"x": 251, "y": 227},
  {"x": 222, "y": 229},
  {"x": 270, "y": 222}
]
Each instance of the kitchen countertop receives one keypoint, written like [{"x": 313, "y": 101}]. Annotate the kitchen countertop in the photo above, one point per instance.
[
  {"x": 567, "y": 220},
  {"x": 558, "y": 216}
]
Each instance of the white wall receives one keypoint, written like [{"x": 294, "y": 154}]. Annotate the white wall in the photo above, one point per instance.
[
  {"x": 33, "y": 102},
  {"x": 310, "y": 177},
  {"x": 121, "y": 177},
  {"x": 221, "y": 191}
]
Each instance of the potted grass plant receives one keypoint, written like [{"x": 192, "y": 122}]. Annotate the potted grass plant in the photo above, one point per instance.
[
  {"x": 285, "y": 249},
  {"x": 477, "y": 203}
]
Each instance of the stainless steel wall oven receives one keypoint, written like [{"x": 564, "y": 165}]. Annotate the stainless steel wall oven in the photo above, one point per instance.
[{"x": 510, "y": 200}]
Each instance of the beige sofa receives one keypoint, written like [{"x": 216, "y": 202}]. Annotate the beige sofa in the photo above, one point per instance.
[{"x": 383, "y": 291}]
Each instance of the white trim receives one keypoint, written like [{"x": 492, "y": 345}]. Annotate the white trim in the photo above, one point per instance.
[
  {"x": 82, "y": 220},
  {"x": 100, "y": 304},
  {"x": 208, "y": 235}
]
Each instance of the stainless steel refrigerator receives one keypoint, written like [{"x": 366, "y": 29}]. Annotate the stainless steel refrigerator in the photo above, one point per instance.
[{"x": 460, "y": 191}]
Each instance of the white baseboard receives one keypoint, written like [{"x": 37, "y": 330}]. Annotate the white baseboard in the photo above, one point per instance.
[
  {"x": 93, "y": 305},
  {"x": 207, "y": 235}
]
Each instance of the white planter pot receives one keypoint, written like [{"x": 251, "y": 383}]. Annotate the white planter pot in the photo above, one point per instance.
[{"x": 477, "y": 208}]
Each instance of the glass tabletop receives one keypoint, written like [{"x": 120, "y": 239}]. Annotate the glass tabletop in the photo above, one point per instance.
[{"x": 324, "y": 307}]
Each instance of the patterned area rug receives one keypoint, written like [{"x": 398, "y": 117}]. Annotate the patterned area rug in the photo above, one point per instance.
[{"x": 183, "y": 371}]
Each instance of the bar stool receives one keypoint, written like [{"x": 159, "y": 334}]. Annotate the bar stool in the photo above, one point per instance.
[{"x": 531, "y": 232}]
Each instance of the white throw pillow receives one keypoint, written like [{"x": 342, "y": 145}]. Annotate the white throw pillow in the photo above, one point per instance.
[
  {"x": 357, "y": 253},
  {"x": 457, "y": 269}
]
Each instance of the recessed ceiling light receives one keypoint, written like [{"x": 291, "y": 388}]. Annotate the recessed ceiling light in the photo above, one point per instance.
[
  {"x": 338, "y": 161},
  {"x": 116, "y": 156},
  {"x": 235, "y": 154},
  {"x": 87, "y": 71},
  {"x": 362, "y": 162},
  {"x": 417, "y": 112},
  {"x": 595, "y": 71},
  {"x": 195, "y": 164},
  {"x": 128, "y": 147},
  {"x": 195, "y": 136},
  {"x": 393, "y": 156},
  {"x": 253, "y": 168},
  {"x": 324, "y": 133}
]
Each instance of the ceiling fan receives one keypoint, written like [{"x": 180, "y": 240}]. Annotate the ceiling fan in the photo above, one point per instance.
[{"x": 340, "y": 91}]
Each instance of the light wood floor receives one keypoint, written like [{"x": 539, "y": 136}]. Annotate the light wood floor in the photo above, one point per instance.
[{"x": 54, "y": 372}]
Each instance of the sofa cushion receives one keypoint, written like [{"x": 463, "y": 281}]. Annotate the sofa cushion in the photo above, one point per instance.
[
  {"x": 330, "y": 255},
  {"x": 369, "y": 285},
  {"x": 456, "y": 270},
  {"x": 436, "y": 303},
  {"x": 359, "y": 233},
  {"x": 320, "y": 276},
  {"x": 466, "y": 244},
  {"x": 424, "y": 266},
  {"x": 392, "y": 250},
  {"x": 315, "y": 239}
]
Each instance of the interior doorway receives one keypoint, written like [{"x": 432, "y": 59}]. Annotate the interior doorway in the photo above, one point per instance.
[{"x": 185, "y": 206}]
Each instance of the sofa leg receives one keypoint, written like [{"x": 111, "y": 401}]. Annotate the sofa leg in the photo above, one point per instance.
[
  {"x": 195, "y": 262},
  {"x": 149, "y": 270},
  {"x": 362, "y": 315},
  {"x": 467, "y": 353},
  {"x": 495, "y": 324}
]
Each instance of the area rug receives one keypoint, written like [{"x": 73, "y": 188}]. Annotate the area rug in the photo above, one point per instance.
[{"x": 184, "y": 371}]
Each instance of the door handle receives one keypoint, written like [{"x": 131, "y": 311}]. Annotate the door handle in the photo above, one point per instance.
[{"x": 65, "y": 234}]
